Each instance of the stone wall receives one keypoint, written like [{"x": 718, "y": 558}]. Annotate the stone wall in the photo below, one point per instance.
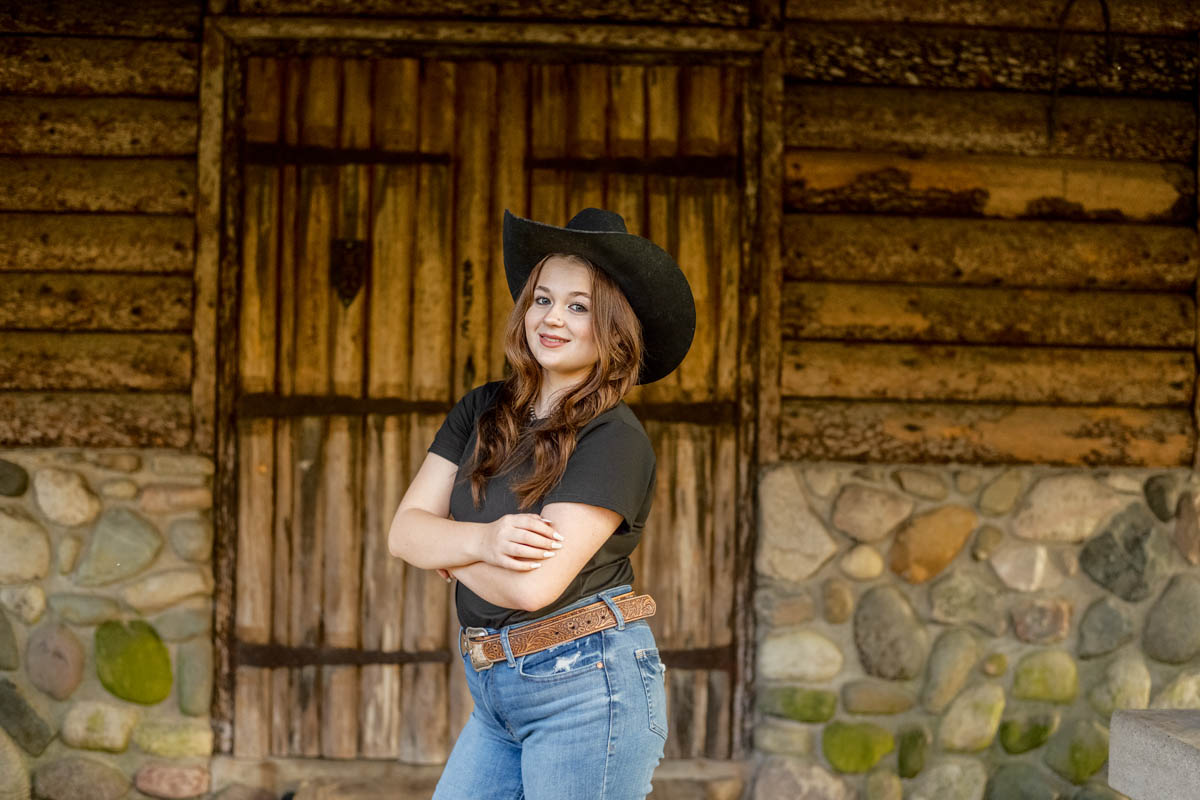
[
  {"x": 967, "y": 632},
  {"x": 105, "y": 624}
]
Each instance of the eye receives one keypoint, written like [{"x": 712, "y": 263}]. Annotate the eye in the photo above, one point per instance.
[
  {"x": 578, "y": 308},
  {"x": 539, "y": 298}
]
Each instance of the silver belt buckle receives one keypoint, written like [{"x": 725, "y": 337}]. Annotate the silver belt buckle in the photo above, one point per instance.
[{"x": 478, "y": 660}]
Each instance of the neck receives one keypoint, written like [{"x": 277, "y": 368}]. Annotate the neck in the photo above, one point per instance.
[{"x": 553, "y": 387}]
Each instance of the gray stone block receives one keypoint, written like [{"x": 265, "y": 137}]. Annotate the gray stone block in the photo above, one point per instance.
[{"x": 1155, "y": 754}]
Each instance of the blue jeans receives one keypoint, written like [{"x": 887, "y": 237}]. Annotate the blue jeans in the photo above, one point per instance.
[{"x": 584, "y": 720}]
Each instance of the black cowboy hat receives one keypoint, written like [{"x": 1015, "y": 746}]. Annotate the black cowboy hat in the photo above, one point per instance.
[{"x": 651, "y": 280}]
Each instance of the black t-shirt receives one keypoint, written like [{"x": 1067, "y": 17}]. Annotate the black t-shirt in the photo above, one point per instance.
[{"x": 612, "y": 466}]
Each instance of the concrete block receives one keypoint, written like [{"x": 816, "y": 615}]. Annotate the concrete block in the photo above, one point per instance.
[{"x": 1155, "y": 754}]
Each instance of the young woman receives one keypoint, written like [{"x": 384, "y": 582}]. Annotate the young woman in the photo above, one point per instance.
[{"x": 533, "y": 495}]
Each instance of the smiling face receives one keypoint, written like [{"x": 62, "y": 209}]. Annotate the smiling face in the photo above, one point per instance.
[{"x": 559, "y": 322}]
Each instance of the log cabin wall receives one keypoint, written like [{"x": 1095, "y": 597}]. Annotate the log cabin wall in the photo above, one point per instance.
[
  {"x": 98, "y": 131},
  {"x": 960, "y": 286}
]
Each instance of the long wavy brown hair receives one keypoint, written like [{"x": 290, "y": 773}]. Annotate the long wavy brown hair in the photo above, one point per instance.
[{"x": 506, "y": 439}]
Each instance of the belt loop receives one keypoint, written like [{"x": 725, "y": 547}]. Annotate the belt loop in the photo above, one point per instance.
[
  {"x": 616, "y": 611},
  {"x": 461, "y": 640},
  {"x": 508, "y": 653}
]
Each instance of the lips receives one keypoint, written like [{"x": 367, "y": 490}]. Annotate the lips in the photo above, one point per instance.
[{"x": 551, "y": 341}]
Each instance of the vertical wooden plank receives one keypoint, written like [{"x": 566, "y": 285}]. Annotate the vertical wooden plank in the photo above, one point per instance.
[
  {"x": 433, "y": 281},
  {"x": 547, "y": 134},
  {"x": 662, "y": 135},
  {"x": 726, "y": 228},
  {"x": 424, "y": 737},
  {"x": 343, "y": 463},
  {"x": 282, "y": 699},
  {"x": 510, "y": 188},
  {"x": 312, "y": 334},
  {"x": 389, "y": 341},
  {"x": 587, "y": 110},
  {"x": 658, "y": 560},
  {"x": 624, "y": 193},
  {"x": 256, "y": 373},
  {"x": 473, "y": 225},
  {"x": 691, "y": 553},
  {"x": 771, "y": 225},
  {"x": 697, "y": 251},
  {"x": 717, "y": 716}
]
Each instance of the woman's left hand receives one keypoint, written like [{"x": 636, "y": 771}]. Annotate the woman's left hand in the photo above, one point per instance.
[{"x": 445, "y": 573}]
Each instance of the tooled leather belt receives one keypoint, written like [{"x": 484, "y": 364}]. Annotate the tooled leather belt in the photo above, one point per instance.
[{"x": 565, "y": 627}]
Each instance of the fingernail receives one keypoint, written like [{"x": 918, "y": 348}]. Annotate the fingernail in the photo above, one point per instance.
[
  {"x": 449, "y": 580},
  {"x": 535, "y": 565},
  {"x": 556, "y": 545},
  {"x": 547, "y": 553},
  {"x": 558, "y": 536}
]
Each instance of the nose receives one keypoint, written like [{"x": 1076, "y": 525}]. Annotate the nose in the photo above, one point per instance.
[{"x": 553, "y": 317}]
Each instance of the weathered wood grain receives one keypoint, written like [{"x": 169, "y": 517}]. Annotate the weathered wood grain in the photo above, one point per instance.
[
  {"x": 385, "y": 477},
  {"x": 768, "y": 175},
  {"x": 663, "y": 115},
  {"x": 88, "y": 242},
  {"x": 251, "y": 713},
  {"x": 87, "y": 66},
  {"x": 393, "y": 233},
  {"x": 698, "y": 249},
  {"x": 928, "y": 121},
  {"x": 474, "y": 225},
  {"x": 433, "y": 286},
  {"x": 1066, "y": 255},
  {"x": 1133, "y": 16},
  {"x": 675, "y": 12},
  {"x": 91, "y": 302},
  {"x": 985, "y": 374},
  {"x": 155, "y": 19},
  {"x": 727, "y": 238},
  {"x": 209, "y": 214},
  {"x": 94, "y": 419},
  {"x": 587, "y": 106},
  {"x": 875, "y": 312},
  {"x": 307, "y": 587},
  {"x": 148, "y": 362},
  {"x": 343, "y": 521},
  {"x": 258, "y": 325},
  {"x": 92, "y": 126},
  {"x": 509, "y": 192},
  {"x": 548, "y": 122},
  {"x": 990, "y": 186},
  {"x": 987, "y": 58},
  {"x": 155, "y": 186},
  {"x": 990, "y": 434},
  {"x": 253, "y": 582}
]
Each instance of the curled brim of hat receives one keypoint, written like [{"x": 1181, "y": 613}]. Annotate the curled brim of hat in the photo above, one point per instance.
[{"x": 653, "y": 283}]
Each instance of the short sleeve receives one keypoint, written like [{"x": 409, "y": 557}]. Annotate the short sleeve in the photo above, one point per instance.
[
  {"x": 450, "y": 442},
  {"x": 612, "y": 467}
]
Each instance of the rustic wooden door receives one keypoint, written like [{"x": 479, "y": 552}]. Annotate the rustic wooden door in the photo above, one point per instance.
[{"x": 371, "y": 295}]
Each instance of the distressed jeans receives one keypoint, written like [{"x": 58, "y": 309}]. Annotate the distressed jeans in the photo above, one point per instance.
[{"x": 584, "y": 720}]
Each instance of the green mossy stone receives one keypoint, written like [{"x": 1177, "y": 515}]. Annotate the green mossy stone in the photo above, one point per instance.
[
  {"x": 1078, "y": 751},
  {"x": 995, "y": 664},
  {"x": 1049, "y": 675},
  {"x": 802, "y": 705},
  {"x": 914, "y": 742},
  {"x": 132, "y": 662},
  {"x": 1022, "y": 734},
  {"x": 855, "y": 747}
]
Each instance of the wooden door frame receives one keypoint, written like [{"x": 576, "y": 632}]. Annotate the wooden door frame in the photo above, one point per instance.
[{"x": 228, "y": 40}]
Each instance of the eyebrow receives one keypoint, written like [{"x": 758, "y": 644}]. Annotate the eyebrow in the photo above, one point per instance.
[{"x": 572, "y": 294}]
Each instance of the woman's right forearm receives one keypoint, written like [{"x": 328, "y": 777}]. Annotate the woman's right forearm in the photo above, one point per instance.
[{"x": 428, "y": 541}]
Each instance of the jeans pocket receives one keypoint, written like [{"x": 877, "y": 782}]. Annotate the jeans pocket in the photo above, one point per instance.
[
  {"x": 652, "y": 670},
  {"x": 579, "y": 657}
]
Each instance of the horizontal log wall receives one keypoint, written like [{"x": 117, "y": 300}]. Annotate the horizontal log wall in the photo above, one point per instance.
[
  {"x": 961, "y": 285},
  {"x": 98, "y": 129}
]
